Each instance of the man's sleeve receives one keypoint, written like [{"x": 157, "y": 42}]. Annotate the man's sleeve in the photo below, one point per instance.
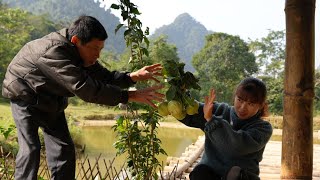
[
  {"x": 117, "y": 78},
  {"x": 62, "y": 65}
]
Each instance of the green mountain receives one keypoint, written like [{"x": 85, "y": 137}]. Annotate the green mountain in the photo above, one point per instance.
[
  {"x": 187, "y": 34},
  {"x": 65, "y": 11}
]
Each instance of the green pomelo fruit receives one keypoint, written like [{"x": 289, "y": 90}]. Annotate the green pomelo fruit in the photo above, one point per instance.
[
  {"x": 180, "y": 116},
  {"x": 175, "y": 107},
  {"x": 193, "y": 108},
  {"x": 163, "y": 109}
]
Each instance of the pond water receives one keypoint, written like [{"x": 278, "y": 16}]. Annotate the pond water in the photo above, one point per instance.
[{"x": 99, "y": 141}]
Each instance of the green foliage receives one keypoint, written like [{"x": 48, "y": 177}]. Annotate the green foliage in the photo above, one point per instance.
[
  {"x": 7, "y": 131},
  {"x": 6, "y": 168},
  {"x": 270, "y": 53},
  {"x": 9, "y": 144},
  {"x": 160, "y": 50},
  {"x": 114, "y": 61},
  {"x": 134, "y": 36},
  {"x": 17, "y": 28},
  {"x": 166, "y": 54},
  {"x": 140, "y": 143},
  {"x": 222, "y": 64},
  {"x": 275, "y": 94},
  {"x": 179, "y": 82},
  {"x": 13, "y": 35}
]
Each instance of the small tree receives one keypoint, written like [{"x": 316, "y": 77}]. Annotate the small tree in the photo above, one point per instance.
[{"x": 137, "y": 131}]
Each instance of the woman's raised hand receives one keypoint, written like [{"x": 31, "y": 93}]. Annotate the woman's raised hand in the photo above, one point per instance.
[{"x": 208, "y": 105}]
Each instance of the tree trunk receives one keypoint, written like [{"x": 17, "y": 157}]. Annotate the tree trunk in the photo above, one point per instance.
[{"x": 297, "y": 139}]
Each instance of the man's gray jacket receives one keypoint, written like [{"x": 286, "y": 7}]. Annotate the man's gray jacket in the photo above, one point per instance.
[{"x": 48, "y": 70}]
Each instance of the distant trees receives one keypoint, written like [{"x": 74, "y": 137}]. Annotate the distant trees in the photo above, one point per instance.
[
  {"x": 226, "y": 59},
  {"x": 161, "y": 50},
  {"x": 222, "y": 63},
  {"x": 270, "y": 55},
  {"x": 17, "y": 28}
]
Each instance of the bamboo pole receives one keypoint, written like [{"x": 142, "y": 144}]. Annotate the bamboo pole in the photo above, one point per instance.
[
  {"x": 297, "y": 139},
  {"x": 177, "y": 166}
]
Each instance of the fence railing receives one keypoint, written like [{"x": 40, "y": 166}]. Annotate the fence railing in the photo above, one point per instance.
[{"x": 86, "y": 169}]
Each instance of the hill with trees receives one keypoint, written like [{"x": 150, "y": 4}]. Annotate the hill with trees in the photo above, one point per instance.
[
  {"x": 187, "y": 34},
  {"x": 64, "y": 12}
]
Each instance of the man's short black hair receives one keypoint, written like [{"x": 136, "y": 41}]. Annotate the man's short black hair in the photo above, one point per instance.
[{"x": 87, "y": 28}]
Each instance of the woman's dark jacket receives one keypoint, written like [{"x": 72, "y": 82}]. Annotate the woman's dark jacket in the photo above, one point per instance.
[{"x": 230, "y": 141}]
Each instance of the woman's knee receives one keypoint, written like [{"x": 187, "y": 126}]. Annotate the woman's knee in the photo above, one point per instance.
[{"x": 237, "y": 173}]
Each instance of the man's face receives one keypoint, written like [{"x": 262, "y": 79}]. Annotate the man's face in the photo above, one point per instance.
[{"x": 90, "y": 52}]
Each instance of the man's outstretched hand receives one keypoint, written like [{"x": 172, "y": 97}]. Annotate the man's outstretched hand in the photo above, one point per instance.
[
  {"x": 147, "y": 95},
  {"x": 146, "y": 73}
]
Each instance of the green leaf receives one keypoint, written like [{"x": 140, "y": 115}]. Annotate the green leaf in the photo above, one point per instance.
[
  {"x": 124, "y": 15},
  {"x": 146, "y": 40},
  {"x": 135, "y": 11},
  {"x": 190, "y": 81},
  {"x": 118, "y": 27},
  {"x": 114, "y": 6},
  {"x": 127, "y": 32},
  {"x": 145, "y": 51},
  {"x": 171, "y": 93}
]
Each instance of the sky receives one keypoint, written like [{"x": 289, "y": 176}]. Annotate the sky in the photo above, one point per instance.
[{"x": 249, "y": 19}]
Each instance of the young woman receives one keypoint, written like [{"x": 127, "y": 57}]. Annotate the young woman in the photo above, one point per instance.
[{"x": 235, "y": 136}]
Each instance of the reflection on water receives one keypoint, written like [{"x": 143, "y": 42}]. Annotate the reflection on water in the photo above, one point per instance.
[{"x": 99, "y": 140}]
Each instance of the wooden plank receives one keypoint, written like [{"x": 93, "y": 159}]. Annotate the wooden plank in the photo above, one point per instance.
[{"x": 270, "y": 166}]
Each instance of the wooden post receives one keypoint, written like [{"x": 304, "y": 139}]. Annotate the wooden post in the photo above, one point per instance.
[{"x": 297, "y": 139}]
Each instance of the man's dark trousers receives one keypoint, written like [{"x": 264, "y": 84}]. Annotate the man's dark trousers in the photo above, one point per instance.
[{"x": 59, "y": 146}]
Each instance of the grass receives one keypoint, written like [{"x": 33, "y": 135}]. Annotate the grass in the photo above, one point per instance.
[
  {"x": 276, "y": 122},
  {"x": 98, "y": 112},
  {"x": 92, "y": 112},
  {"x": 5, "y": 115}
]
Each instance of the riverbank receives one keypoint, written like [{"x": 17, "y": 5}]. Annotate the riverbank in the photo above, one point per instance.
[
  {"x": 113, "y": 122},
  {"x": 278, "y": 132}
]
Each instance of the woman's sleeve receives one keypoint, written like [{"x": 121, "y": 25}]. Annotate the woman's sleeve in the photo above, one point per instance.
[
  {"x": 196, "y": 121},
  {"x": 241, "y": 142}
]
